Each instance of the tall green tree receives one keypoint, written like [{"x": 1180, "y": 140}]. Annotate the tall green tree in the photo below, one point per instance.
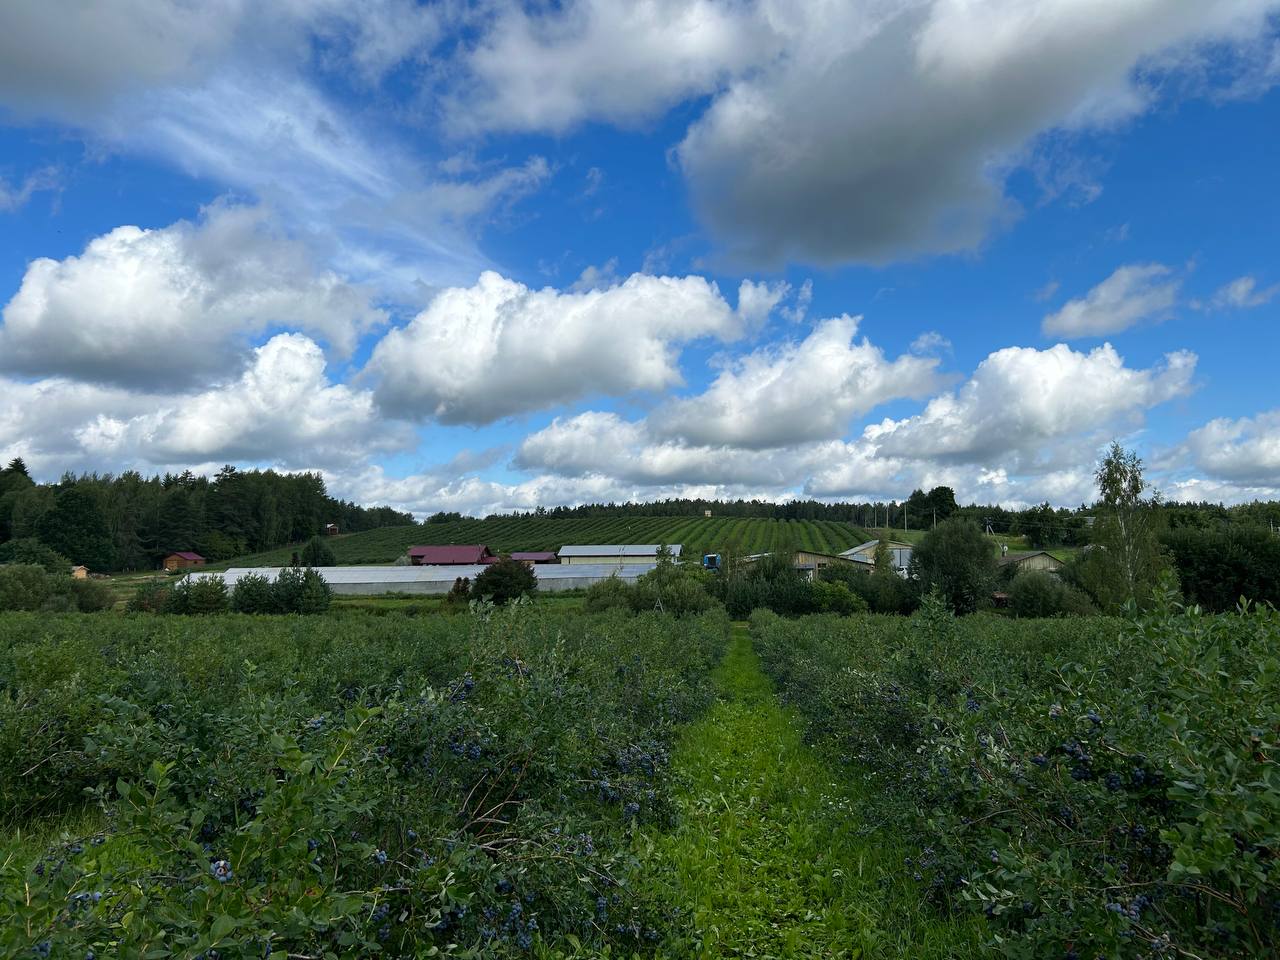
[
  {"x": 1127, "y": 530},
  {"x": 957, "y": 560},
  {"x": 76, "y": 528}
]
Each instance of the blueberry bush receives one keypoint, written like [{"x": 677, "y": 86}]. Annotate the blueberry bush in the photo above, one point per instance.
[
  {"x": 258, "y": 786},
  {"x": 1096, "y": 788}
]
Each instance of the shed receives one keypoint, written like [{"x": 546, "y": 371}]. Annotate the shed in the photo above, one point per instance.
[
  {"x": 80, "y": 572},
  {"x": 331, "y": 530},
  {"x": 866, "y": 553},
  {"x": 624, "y": 553},
  {"x": 453, "y": 553},
  {"x": 1031, "y": 560},
  {"x": 536, "y": 556},
  {"x": 183, "y": 559},
  {"x": 809, "y": 562}
]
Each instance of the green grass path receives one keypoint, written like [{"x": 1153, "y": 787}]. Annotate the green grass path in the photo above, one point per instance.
[{"x": 766, "y": 856}]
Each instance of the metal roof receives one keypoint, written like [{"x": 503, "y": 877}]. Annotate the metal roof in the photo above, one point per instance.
[
  {"x": 185, "y": 555},
  {"x": 450, "y": 553},
  {"x": 391, "y": 576},
  {"x": 617, "y": 550},
  {"x": 891, "y": 544},
  {"x": 1018, "y": 556}
]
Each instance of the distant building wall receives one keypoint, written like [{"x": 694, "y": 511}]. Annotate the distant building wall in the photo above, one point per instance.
[{"x": 611, "y": 558}]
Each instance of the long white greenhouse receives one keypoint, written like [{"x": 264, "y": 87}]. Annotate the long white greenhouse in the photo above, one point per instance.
[{"x": 372, "y": 580}]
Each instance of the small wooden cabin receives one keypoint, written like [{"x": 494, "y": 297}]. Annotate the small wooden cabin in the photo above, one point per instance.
[{"x": 183, "y": 560}]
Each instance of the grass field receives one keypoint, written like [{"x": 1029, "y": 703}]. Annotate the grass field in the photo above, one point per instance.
[
  {"x": 697, "y": 535},
  {"x": 768, "y": 856}
]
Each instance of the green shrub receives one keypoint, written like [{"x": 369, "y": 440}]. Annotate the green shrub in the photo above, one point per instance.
[
  {"x": 610, "y": 594},
  {"x": 207, "y": 595},
  {"x": 31, "y": 551},
  {"x": 459, "y": 594},
  {"x": 315, "y": 595},
  {"x": 1216, "y": 568},
  {"x": 505, "y": 580},
  {"x": 1036, "y": 593},
  {"x": 90, "y": 596},
  {"x": 349, "y": 786},
  {"x": 286, "y": 590},
  {"x": 1092, "y": 787},
  {"x": 317, "y": 553},
  {"x": 152, "y": 596},
  {"x": 836, "y": 597},
  {"x": 24, "y": 586},
  {"x": 252, "y": 594}
]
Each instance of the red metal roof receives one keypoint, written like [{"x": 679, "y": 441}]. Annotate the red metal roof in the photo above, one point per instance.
[
  {"x": 452, "y": 553},
  {"x": 186, "y": 555}
]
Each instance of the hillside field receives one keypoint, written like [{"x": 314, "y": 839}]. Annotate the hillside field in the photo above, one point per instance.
[{"x": 698, "y": 535}]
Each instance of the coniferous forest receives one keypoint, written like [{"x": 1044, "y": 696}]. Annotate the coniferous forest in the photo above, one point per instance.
[{"x": 129, "y": 521}]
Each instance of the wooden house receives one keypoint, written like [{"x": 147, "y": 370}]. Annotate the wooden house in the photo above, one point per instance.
[{"x": 183, "y": 560}]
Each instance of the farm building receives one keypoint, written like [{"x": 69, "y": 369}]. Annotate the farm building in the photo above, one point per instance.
[
  {"x": 438, "y": 579},
  {"x": 536, "y": 557},
  {"x": 330, "y": 529},
  {"x": 616, "y": 553},
  {"x": 182, "y": 560},
  {"x": 809, "y": 562},
  {"x": 866, "y": 553},
  {"x": 454, "y": 553},
  {"x": 1031, "y": 560},
  {"x": 80, "y": 572}
]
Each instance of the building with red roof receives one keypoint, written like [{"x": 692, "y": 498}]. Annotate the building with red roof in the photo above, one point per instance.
[{"x": 453, "y": 553}]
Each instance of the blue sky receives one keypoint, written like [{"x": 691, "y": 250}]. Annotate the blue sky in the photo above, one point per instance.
[{"x": 495, "y": 255}]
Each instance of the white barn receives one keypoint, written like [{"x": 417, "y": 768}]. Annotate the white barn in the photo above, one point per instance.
[{"x": 626, "y": 554}]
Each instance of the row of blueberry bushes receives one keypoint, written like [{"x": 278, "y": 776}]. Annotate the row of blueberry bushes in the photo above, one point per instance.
[
  {"x": 1104, "y": 788},
  {"x": 277, "y": 787}
]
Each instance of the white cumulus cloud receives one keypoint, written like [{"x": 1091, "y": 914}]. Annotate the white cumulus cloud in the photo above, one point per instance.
[
  {"x": 619, "y": 60},
  {"x": 1020, "y": 398},
  {"x": 1244, "y": 451},
  {"x": 794, "y": 392},
  {"x": 498, "y": 348},
  {"x": 175, "y": 304},
  {"x": 281, "y": 409},
  {"x": 1134, "y": 293}
]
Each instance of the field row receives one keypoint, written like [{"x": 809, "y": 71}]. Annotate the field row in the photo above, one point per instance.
[
  {"x": 697, "y": 535},
  {"x": 282, "y": 787},
  {"x": 1090, "y": 788}
]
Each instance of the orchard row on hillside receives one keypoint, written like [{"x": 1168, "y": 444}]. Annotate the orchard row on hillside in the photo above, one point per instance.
[{"x": 697, "y": 535}]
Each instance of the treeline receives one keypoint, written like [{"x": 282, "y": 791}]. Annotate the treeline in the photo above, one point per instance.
[
  {"x": 1042, "y": 525},
  {"x": 941, "y": 499},
  {"x": 129, "y": 522}
]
